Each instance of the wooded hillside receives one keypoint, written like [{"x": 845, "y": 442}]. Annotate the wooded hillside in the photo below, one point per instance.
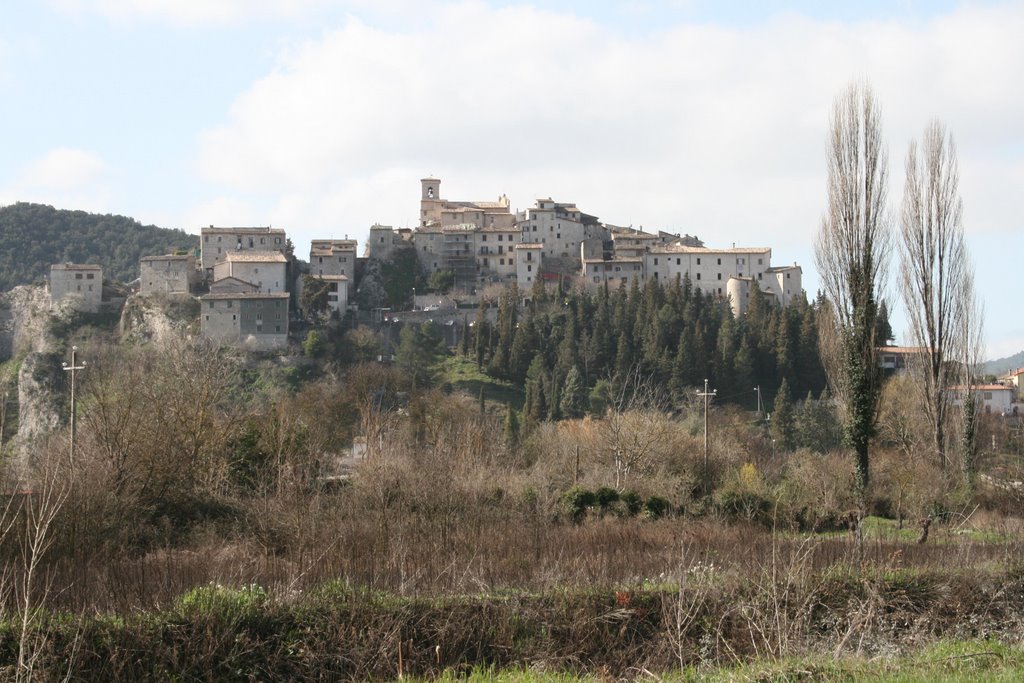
[{"x": 35, "y": 236}]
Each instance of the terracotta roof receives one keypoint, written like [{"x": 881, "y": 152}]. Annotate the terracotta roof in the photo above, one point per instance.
[
  {"x": 904, "y": 350},
  {"x": 167, "y": 257},
  {"x": 255, "y": 256},
  {"x": 243, "y": 295},
  {"x": 683, "y": 249},
  {"x": 257, "y": 230}
]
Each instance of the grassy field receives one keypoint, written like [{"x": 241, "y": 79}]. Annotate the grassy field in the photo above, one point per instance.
[
  {"x": 948, "y": 661},
  {"x": 463, "y": 375}
]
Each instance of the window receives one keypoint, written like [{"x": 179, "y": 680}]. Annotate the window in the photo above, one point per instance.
[
  {"x": 263, "y": 240},
  {"x": 231, "y": 304},
  {"x": 501, "y": 262},
  {"x": 759, "y": 276},
  {"x": 679, "y": 262},
  {"x": 719, "y": 263},
  {"x": 597, "y": 279},
  {"x": 787, "y": 276},
  {"x": 277, "y": 240},
  {"x": 234, "y": 317},
  {"x": 655, "y": 260},
  {"x": 719, "y": 276},
  {"x": 211, "y": 304},
  {"x": 78, "y": 276},
  {"x": 206, "y": 238},
  {"x": 719, "y": 290},
  {"x": 988, "y": 395},
  {"x": 698, "y": 260},
  {"x": 529, "y": 269},
  {"x": 760, "y": 262},
  {"x": 485, "y": 237},
  {"x": 90, "y": 276},
  {"x": 698, "y": 276},
  {"x": 558, "y": 235}
]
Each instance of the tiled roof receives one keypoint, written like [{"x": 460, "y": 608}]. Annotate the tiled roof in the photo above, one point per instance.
[
  {"x": 255, "y": 256},
  {"x": 218, "y": 296},
  {"x": 167, "y": 257},
  {"x": 257, "y": 230},
  {"x": 75, "y": 266}
]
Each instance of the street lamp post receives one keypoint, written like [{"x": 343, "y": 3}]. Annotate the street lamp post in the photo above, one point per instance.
[{"x": 73, "y": 368}]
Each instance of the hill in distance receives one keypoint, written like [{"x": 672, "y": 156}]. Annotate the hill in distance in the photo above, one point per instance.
[
  {"x": 35, "y": 236},
  {"x": 1002, "y": 365}
]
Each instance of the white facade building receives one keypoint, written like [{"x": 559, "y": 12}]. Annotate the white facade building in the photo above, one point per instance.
[
  {"x": 168, "y": 275},
  {"x": 264, "y": 269},
  {"x": 216, "y": 243},
  {"x": 81, "y": 284}
]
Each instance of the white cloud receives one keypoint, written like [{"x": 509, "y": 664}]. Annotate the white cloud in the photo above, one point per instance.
[
  {"x": 713, "y": 130},
  {"x": 62, "y": 177},
  {"x": 63, "y": 168},
  {"x": 702, "y": 129}
]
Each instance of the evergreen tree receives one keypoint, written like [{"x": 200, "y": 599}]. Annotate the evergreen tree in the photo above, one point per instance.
[
  {"x": 783, "y": 422},
  {"x": 574, "y": 395},
  {"x": 511, "y": 427}
]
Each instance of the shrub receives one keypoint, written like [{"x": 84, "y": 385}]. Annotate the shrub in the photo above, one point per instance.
[
  {"x": 745, "y": 495},
  {"x": 634, "y": 503},
  {"x": 605, "y": 496},
  {"x": 656, "y": 507},
  {"x": 576, "y": 501},
  {"x": 221, "y": 603}
]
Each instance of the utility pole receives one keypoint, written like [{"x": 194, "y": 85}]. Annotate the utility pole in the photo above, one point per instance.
[
  {"x": 73, "y": 369},
  {"x": 760, "y": 411},
  {"x": 706, "y": 395}
]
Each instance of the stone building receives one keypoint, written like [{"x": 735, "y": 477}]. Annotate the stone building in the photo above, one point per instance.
[
  {"x": 435, "y": 211},
  {"x": 168, "y": 275},
  {"x": 560, "y": 227},
  {"x": 218, "y": 242},
  {"x": 80, "y": 284},
  {"x": 384, "y": 240},
  {"x": 236, "y": 312},
  {"x": 528, "y": 262},
  {"x": 332, "y": 257},
  {"x": 266, "y": 270}
]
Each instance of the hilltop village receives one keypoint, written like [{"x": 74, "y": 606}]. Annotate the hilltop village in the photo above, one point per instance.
[{"x": 249, "y": 283}]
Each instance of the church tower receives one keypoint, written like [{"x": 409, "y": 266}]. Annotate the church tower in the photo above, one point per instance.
[{"x": 430, "y": 201}]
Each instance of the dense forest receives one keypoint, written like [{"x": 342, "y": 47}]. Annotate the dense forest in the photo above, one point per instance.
[
  {"x": 574, "y": 350},
  {"x": 35, "y": 236}
]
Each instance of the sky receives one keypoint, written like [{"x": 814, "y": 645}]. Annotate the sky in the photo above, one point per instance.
[{"x": 691, "y": 116}]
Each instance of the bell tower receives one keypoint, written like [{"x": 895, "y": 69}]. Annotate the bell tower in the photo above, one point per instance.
[{"x": 430, "y": 201}]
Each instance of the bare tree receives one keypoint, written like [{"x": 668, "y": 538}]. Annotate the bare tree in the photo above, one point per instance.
[
  {"x": 936, "y": 273},
  {"x": 974, "y": 334},
  {"x": 851, "y": 253}
]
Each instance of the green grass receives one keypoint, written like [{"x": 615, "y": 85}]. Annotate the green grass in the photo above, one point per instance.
[
  {"x": 880, "y": 528},
  {"x": 949, "y": 661},
  {"x": 463, "y": 375}
]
